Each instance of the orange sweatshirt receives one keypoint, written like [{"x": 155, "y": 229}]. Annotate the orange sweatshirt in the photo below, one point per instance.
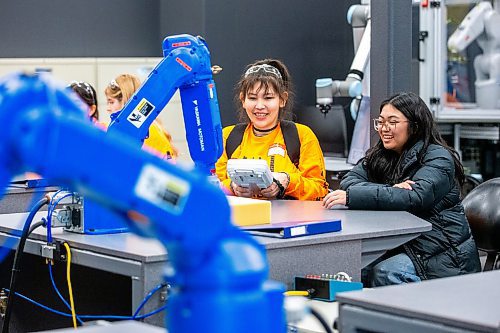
[{"x": 307, "y": 182}]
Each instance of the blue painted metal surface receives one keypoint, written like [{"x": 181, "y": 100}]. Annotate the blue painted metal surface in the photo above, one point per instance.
[{"x": 219, "y": 272}]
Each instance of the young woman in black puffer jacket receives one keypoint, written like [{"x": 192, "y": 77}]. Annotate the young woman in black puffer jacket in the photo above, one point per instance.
[{"x": 411, "y": 168}]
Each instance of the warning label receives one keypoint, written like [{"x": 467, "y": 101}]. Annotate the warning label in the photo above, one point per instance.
[
  {"x": 162, "y": 189},
  {"x": 140, "y": 113}
]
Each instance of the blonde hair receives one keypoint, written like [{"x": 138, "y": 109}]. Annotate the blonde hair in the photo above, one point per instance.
[{"x": 123, "y": 87}]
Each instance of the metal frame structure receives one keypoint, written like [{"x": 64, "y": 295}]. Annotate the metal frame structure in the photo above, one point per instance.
[{"x": 433, "y": 61}]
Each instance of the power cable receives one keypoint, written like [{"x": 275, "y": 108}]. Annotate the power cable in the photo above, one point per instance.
[{"x": 16, "y": 268}]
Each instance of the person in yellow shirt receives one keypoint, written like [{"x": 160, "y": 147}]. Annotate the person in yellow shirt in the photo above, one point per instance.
[
  {"x": 264, "y": 93},
  {"x": 118, "y": 92}
]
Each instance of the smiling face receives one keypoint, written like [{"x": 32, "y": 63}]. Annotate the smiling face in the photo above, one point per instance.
[
  {"x": 262, "y": 106},
  {"x": 394, "y": 133}
]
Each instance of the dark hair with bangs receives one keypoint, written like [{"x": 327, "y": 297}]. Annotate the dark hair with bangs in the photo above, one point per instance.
[
  {"x": 88, "y": 94},
  {"x": 267, "y": 80},
  {"x": 382, "y": 164}
]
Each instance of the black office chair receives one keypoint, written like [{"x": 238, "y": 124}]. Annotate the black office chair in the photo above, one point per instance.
[
  {"x": 482, "y": 208},
  {"x": 469, "y": 184}
]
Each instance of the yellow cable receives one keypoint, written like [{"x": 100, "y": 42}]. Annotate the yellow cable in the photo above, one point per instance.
[
  {"x": 68, "y": 277},
  {"x": 296, "y": 293}
]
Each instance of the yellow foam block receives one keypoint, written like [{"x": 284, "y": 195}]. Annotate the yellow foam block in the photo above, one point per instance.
[{"x": 246, "y": 211}]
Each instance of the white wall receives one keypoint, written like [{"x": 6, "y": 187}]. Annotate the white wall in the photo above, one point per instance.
[{"x": 99, "y": 72}]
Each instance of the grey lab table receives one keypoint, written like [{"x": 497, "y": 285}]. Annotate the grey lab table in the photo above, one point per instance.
[
  {"x": 467, "y": 303},
  {"x": 18, "y": 198},
  {"x": 337, "y": 164},
  {"x": 117, "y": 327},
  {"x": 365, "y": 236}
]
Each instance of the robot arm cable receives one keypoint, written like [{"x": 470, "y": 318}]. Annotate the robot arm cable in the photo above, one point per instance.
[{"x": 16, "y": 268}]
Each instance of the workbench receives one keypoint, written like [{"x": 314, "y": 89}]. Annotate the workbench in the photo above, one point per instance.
[
  {"x": 466, "y": 303},
  {"x": 365, "y": 236}
]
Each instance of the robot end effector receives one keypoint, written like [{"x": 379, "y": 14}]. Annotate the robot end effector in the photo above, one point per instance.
[{"x": 326, "y": 88}]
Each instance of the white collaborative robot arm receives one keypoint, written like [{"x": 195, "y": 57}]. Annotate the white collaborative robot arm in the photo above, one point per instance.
[
  {"x": 482, "y": 23},
  {"x": 358, "y": 17}
]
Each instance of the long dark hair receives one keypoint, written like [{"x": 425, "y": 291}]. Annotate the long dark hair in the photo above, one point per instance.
[
  {"x": 280, "y": 85},
  {"x": 88, "y": 94},
  {"x": 382, "y": 164}
]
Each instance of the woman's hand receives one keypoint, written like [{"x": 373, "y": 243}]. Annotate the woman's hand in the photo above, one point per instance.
[
  {"x": 243, "y": 191},
  {"x": 282, "y": 177},
  {"x": 273, "y": 191},
  {"x": 405, "y": 185},
  {"x": 270, "y": 192},
  {"x": 337, "y": 197}
]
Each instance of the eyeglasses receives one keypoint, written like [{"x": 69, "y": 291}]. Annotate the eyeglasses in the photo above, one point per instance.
[
  {"x": 389, "y": 125},
  {"x": 114, "y": 85},
  {"x": 265, "y": 68}
]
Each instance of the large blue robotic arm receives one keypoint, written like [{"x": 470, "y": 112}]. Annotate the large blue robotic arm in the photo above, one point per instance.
[
  {"x": 186, "y": 66},
  {"x": 219, "y": 271}
]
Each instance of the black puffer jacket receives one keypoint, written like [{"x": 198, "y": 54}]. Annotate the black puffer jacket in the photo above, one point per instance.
[{"x": 448, "y": 249}]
